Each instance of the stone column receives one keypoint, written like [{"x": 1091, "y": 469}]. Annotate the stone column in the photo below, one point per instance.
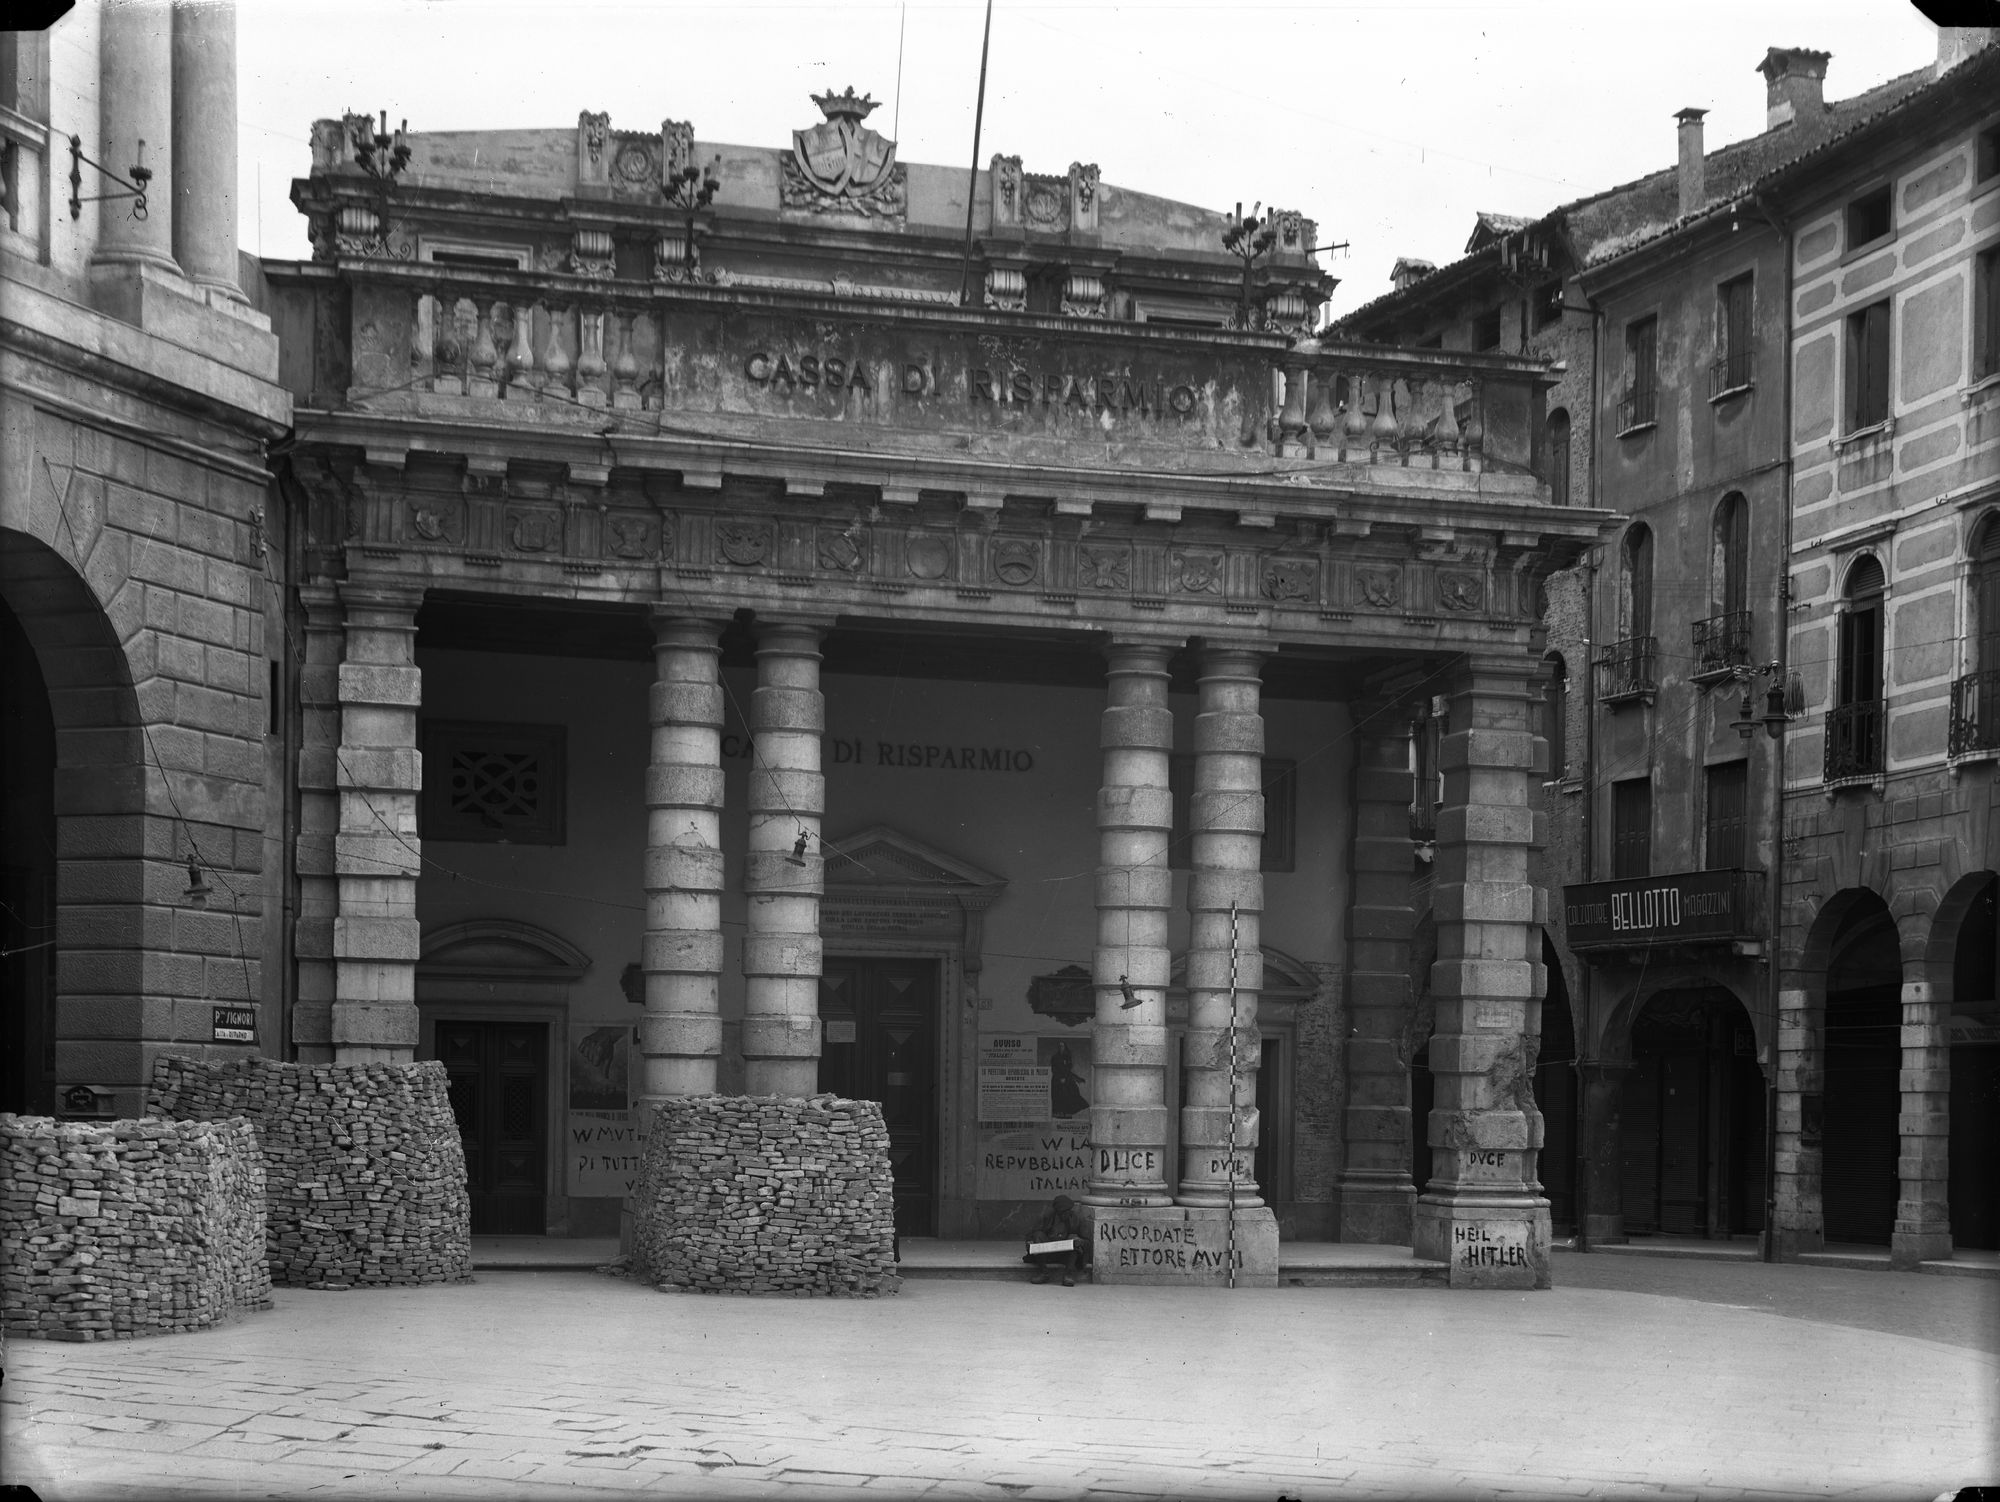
[
  {"x": 1801, "y": 1081},
  {"x": 681, "y": 1036},
  {"x": 376, "y": 858},
  {"x": 319, "y": 822},
  {"x": 1482, "y": 1215},
  {"x": 1603, "y": 1167},
  {"x": 783, "y": 874},
  {"x": 1128, "y": 1117},
  {"x": 1377, "y": 1196},
  {"x": 135, "y": 103},
  {"x": 1219, "y": 1123},
  {"x": 1923, "y": 1212},
  {"x": 204, "y": 143}
]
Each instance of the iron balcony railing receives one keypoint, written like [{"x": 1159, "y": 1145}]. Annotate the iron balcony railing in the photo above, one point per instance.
[
  {"x": 1854, "y": 740},
  {"x": 1730, "y": 372},
  {"x": 1638, "y": 407},
  {"x": 1627, "y": 668},
  {"x": 1722, "y": 642},
  {"x": 1975, "y": 713}
]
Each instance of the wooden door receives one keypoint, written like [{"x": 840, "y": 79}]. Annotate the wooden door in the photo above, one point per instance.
[
  {"x": 880, "y": 1043},
  {"x": 500, "y": 1095}
]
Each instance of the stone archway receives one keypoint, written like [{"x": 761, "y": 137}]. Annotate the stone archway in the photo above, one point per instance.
[
  {"x": 1557, "y": 1096},
  {"x": 93, "y": 986},
  {"x": 1861, "y": 1052},
  {"x": 1962, "y": 966}
]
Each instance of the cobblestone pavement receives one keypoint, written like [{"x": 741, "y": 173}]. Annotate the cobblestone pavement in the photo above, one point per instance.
[{"x": 569, "y": 1385}]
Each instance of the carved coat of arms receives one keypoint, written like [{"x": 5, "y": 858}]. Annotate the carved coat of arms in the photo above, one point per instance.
[
  {"x": 1379, "y": 587},
  {"x": 840, "y": 166}
]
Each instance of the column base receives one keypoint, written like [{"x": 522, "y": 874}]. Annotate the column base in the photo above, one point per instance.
[
  {"x": 1485, "y": 1240},
  {"x": 1605, "y": 1230},
  {"x": 1378, "y": 1214},
  {"x": 1908, "y": 1248},
  {"x": 155, "y": 297},
  {"x": 1183, "y": 1247},
  {"x": 1794, "y": 1241}
]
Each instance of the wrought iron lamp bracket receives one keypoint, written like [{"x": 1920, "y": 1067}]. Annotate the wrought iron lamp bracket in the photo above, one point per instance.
[{"x": 134, "y": 187}]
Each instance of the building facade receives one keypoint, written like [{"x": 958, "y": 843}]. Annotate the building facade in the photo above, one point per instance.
[
  {"x": 141, "y": 604},
  {"x": 749, "y": 645},
  {"x": 1681, "y": 692}
]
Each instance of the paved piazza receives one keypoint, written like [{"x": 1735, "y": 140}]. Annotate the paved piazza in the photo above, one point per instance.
[{"x": 1632, "y": 1379}]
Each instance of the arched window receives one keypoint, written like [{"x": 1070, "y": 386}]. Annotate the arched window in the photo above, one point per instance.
[
  {"x": 1559, "y": 457},
  {"x": 1986, "y": 594},
  {"x": 1636, "y": 595},
  {"x": 1854, "y": 726},
  {"x": 1730, "y": 558}
]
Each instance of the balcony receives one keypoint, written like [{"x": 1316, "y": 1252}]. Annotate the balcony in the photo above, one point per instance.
[
  {"x": 1626, "y": 671},
  {"x": 1638, "y": 409},
  {"x": 1854, "y": 741},
  {"x": 1729, "y": 375},
  {"x": 1690, "y": 909},
  {"x": 1975, "y": 715},
  {"x": 1721, "y": 645}
]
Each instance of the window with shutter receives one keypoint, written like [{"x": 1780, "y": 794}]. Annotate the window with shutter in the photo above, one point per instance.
[
  {"x": 1728, "y": 786},
  {"x": 1631, "y": 828}
]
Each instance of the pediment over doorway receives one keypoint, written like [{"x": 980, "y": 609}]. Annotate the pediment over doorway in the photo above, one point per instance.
[
  {"x": 500, "y": 949},
  {"x": 883, "y": 885}
]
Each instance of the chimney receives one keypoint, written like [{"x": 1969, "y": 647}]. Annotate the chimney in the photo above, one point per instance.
[
  {"x": 1408, "y": 270},
  {"x": 1794, "y": 84},
  {"x": 1957, "y": 43},
  {"x": 1694, "y": 187}
]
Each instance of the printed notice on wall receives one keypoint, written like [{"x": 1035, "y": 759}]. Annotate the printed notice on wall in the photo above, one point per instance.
[
  {"x": 1034, "y": 1116},
  {"x": 605, "y": 1151}
]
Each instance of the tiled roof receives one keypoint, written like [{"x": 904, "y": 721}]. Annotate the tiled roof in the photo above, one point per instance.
[{"x": 1617, "y": 219}]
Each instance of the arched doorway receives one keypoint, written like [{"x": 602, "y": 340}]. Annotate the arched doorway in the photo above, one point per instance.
[
  {"x": 1974, "y": 1155},
  {"x": 1556, "y": 1095},
  {"x": 27, "y": 877},
  {"x": 1692, "y": 1118},
  {"x": 1862, "y": 1094}
]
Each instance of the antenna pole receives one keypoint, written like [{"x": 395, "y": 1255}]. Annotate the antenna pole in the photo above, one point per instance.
[{"x": 972, "y": 177}]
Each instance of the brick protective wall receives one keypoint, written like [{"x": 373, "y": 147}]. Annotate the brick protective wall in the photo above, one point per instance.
[
  {"x": 116, "y": 1229},
  {"x": 760, "y": 1194},
  {"x": 366, "y": 1174}
]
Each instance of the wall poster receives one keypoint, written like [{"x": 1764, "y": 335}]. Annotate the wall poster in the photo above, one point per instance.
[{"x": 1034, "y": 1116}]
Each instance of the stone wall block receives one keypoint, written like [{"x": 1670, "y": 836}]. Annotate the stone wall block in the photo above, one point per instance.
[
  {"x": 1139, "y": 726},
  {"x": 671, "y": 784},
  {"x": 364, "y": 683},
  {"x": 1127, "y": 806}
]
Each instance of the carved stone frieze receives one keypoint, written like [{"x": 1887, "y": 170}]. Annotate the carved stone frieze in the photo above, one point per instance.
[
  {"x": 636, "y": 538},
  {"x": 533, "y": 530},
  {"x": 435, "y": 519},
  {"x": 745, "y": 544},
  {"x": 1016, "y": 560},
  {"x": 1045, "y": 203},
  {"x": 1005, "y": 177},
  {"x": 927, "y": 557},
  {"x": 592, "y": 129},
  {"x": 1197, "y": 573},
  {"x": 1381, "y": 588},
  {"x": 1459, "y": 591},
  {"x": 843, "y": 550},
  {"x": 1290, "y": 579},
  {"x": 676, "y": 147},
  {"x": 1104, "y": 568}
]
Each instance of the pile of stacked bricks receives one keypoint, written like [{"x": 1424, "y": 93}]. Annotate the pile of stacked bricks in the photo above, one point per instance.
[
  {"x": 114, "y": 1229},
  {"x": 365, "y": 1171},
  {"x": 755, "y": 1194}
]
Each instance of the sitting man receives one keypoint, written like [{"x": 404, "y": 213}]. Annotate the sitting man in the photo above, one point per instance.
[{"x": 1062, "y": 1222}]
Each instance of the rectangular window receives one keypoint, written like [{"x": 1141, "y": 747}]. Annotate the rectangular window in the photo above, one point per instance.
[
  {"x": 1486, "y": 330},
  {"x": 1281, "y": 798},
  {"x": 1728, "y": 796},
  {"x": 1642, "y": 348},
  {"x": 1868, "y": 366},
  {"x": 1631, "y": 828},
  {"x": 494, "y": 784},
  {"x": 1869, "y": 218},
  {"x": 1986, "y": 316},
  {"x": 1987, "y": 153},
  {"x": 1734, "y": 304},
  {"x": 1861, "y": 652}
]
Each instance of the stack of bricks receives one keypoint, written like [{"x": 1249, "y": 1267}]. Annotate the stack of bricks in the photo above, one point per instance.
[
  {"x": 763, "y": 1194},
  {"x": 366, "y": 1172},
  {"x": 115, "y": 1229}
]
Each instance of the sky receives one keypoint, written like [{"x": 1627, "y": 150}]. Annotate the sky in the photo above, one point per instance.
[{"x": 1390, "y": 124}]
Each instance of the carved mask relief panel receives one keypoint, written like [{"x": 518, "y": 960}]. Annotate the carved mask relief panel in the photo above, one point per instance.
[
  {"x": 1016, "y": 560},
  {"x": 1197, "y": 573},
  {"x": 745, "y": 544},
  {"x": 1288, "y": 580},
  {"x": 1104, "y": 568},
  {"x": 1381, "y": 588}
]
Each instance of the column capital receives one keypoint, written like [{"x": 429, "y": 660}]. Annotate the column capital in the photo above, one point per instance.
[
  {"x": 771, "y": 622},
  {"x": 1257, "y": 647},
  {"x": 685, "y": 631},
  {"x": 381, "y": 597}
]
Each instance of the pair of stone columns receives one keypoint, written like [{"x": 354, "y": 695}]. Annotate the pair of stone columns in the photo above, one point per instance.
[
  {"x": 1483, "y": 1213},
  {"x": 167, "y": 77},
  {"x": 681, "y": 1035},
  {"x": 1132, "y": 960}
]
